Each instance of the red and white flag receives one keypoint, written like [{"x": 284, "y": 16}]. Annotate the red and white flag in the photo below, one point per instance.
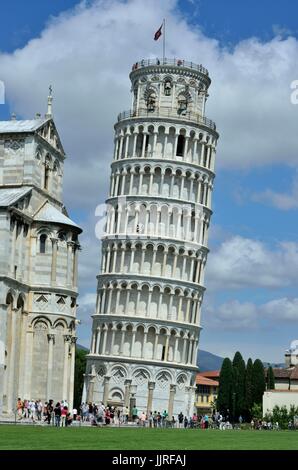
[{"x": 158, "y": 33}]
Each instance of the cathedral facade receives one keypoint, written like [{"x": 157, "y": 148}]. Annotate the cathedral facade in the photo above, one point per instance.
[
  {"x": 146, "y": 324},
  {"x": 38, "y": 266}
]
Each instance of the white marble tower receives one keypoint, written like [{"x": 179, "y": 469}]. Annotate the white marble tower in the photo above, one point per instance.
[{"x": 146, "y": 325}]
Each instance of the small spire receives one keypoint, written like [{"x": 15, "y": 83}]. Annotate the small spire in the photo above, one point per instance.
[
  {"x": 13, "y": 116},
  {"x": 50, "y": 100},
  {"x": 37, "y": 116}
]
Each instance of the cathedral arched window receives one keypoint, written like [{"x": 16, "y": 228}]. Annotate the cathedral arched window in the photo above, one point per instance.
[
  {"x": 42, "y": 243},
  {"x": 46, "y": 173},
  {"x": 38, "y": 154}
]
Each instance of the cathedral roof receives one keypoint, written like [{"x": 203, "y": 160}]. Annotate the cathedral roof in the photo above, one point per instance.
[
  {"x": 9, "y": 196},
  {"x": 12, "y": 126},
  {"x": 49, "y": 213}
]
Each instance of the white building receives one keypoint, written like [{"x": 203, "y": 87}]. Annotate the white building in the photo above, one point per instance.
[
  {"x": 38, "y": 265},
  {"x": 286, "y": 382},
  {"x": 146, "y": 325}
]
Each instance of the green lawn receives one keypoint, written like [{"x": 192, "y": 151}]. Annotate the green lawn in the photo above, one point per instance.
[{"x": 37, "y": 437}]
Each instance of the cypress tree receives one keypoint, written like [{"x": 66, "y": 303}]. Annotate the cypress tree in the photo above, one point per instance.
[
  {"x": 270, "y": 379},
  {"x": 80, "y": 368},
  {"x": 248, "y": 389},
  {"x": 238, "y": 393},
  {"x": 225, "y": 389},
  {"x": 258, "y": 382},
  {"x": 248, "y": 384}
]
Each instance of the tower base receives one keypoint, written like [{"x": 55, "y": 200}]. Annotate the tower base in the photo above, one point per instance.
[{"x": 149, "y": 388}]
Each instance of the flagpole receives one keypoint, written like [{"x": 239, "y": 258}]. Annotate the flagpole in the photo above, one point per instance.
[{"x": 164, "y": 41}]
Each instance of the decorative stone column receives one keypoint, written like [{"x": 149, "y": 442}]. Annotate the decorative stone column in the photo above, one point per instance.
[
  {"x": 76, "y": 249},
  {"x": 13, "y": 247},
  {"x": 171, "y": 400},
  {"x": 127, "y": 385},
  {"x": 51, "y": 341},
  {"x": 69, "y": 262},
  {"x": 91, "y": 385},
  {"x": 67, "y": 340},
  {"x": 72, "y": 369},
  {"x": 151, "y": 387},
  {"x": 12, "y": 361},
  {"x": 28, "y": 361},
  {"x": 106, "y": 389},
  {"x": 54, "y": 260}
]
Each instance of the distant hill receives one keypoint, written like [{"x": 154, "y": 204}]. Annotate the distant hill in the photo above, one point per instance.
[
  {"x": 208, "y": 361},
  {"x": 205, "y": 360},
  {"x": 274, "y": 365}
]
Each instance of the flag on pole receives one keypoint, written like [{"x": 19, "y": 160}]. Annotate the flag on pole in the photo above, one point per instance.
[{"x": 158, "y": 33}]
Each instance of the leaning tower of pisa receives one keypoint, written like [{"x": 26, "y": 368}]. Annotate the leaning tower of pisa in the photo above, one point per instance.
[{"x": 146, "y": 325}]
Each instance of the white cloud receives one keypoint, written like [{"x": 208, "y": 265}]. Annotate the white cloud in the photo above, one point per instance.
[
  {"x": 236, "y": 315},
  {"x": 282, "y": 201},
  {"x": 281, "y": 309},
  {"x": 244, "y": 263},
  {"x": 232, "y": 315}
]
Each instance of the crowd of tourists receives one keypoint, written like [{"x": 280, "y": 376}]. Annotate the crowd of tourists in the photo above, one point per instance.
[
  {"x": 99, "y": 415},
  {"x": 57, "y": 414}
]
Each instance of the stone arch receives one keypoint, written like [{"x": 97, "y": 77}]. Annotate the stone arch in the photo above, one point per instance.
[
  {"x": 116, "y": 396},
  {"x": 128, "y": 329},
  {"x": 118, "y": 373},
  {"x": 181, "y": 380},
  {"x": 149, "y": 349},
  {"x": 10, "y": 298},
  {"x": 41, "y": 319},
  {"x": 21, "y": 301},
  {"x": 150, "y": 97},
  {"x": 163, "y": 379},
  {"x": 141, "y": 376},
  {"x": 60, "y": 322},
  {"x": 139, "y": 341}
]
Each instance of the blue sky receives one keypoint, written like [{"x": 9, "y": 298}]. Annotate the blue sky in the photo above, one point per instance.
[{"x": 250, "y": 49}]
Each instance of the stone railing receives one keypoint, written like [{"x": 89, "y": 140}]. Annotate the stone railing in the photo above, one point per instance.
[
  {"x": 167, "y": 113},
  {"x": 172, "y": 62}
]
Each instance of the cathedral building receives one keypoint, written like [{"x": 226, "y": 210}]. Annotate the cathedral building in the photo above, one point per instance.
[
  {"x": 38, "y": 265},
  {"x": 146, "y": 325}
]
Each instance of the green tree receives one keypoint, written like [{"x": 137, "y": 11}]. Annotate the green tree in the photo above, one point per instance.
[
  {"x": 80, "y": 367},
  {"x": 225, "y": 389},
  {"x": 256, "y": 411},
  {"x": 258, "y": 382},
  {"x": 238, "y": 393},
  {"x": 270, "y": 379},
  {"x": 248, "y": 389}
]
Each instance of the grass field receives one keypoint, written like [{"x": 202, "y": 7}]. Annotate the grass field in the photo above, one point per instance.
[{"x": 42, "y": 438}]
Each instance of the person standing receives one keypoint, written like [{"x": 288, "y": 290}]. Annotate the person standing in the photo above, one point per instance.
[
  {"x": 74, "y": 414},
  {"x": 57, "y": 412},
  {"x": 134, "y": 413}
]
